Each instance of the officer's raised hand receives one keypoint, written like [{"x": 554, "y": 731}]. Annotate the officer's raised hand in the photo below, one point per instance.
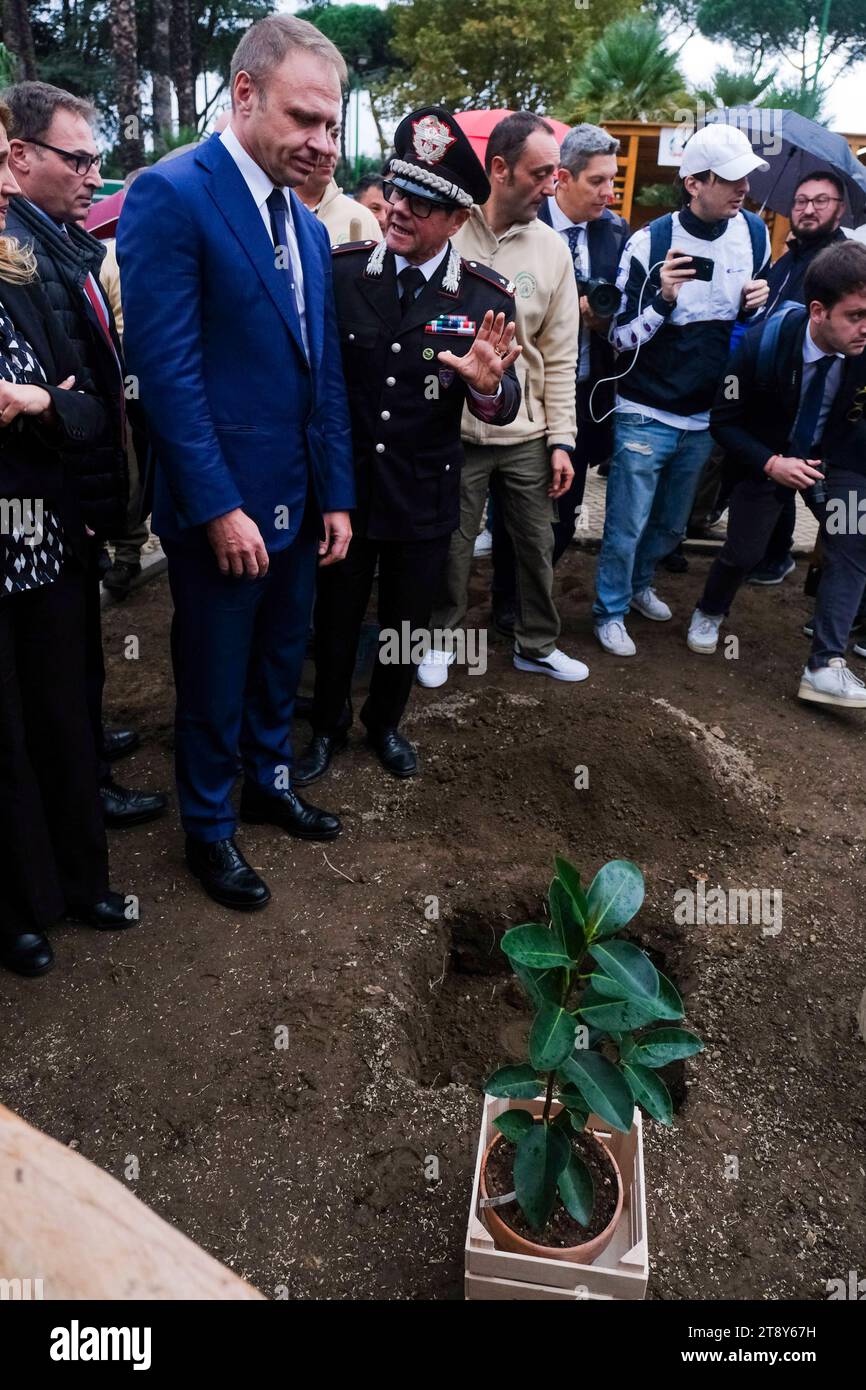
[{"x": 491, "y": 354}]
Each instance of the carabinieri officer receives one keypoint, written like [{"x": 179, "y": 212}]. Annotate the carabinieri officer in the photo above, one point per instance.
[{"x": 422, "y": 332}]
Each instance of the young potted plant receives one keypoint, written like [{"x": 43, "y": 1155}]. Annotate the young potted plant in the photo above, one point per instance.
[{"x": 547, "y": 1185}]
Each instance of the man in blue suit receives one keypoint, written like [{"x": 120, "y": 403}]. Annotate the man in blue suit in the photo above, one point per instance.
[{"x": 231, "y": 333}]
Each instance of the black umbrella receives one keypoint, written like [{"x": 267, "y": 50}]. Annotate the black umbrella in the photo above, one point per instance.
[{"x": 794, "y": 146}]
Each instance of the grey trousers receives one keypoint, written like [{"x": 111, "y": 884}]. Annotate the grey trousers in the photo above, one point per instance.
[{"x": 524, "y": 477}]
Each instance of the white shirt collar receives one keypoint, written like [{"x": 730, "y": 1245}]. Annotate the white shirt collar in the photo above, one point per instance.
[
  {"x": 558, "y": 218},
  {"x": 811, "y": 350},
  {"x": 428, "y": 268},
  {"x": 255, "y": 178}
]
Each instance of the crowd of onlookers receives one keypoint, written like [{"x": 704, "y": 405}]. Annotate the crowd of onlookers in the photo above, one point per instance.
[{"x": 701, "y": 377}]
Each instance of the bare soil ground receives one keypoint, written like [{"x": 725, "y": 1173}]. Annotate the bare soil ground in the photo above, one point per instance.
[{"x": 309, "y": 1167}]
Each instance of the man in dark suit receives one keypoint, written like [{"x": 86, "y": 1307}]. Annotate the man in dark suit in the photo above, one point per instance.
[
  {"x": 54, "y": 158},
  {"x": 791, "y": 418},
  {"x": 595, "y": 236},
  {"x": 230, "y": 328},
  {"x": 423, "y": 331}
]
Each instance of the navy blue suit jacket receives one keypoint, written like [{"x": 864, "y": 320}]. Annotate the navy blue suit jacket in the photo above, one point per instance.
[{"x": 238, "y": 416}]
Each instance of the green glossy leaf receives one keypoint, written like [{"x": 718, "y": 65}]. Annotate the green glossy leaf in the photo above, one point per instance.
[
  {"x": 669, "y": 1002},
  {"x": 626, "y": 1047},
  {"x": 513, "y": 1083},
  {"x": 536, "y": 946},
  {"x": 602, "y": 1086},
  {"x": 650, "y": 1091},
  {"x": 514, "y": 1123},
  {"x": 614, "y": 896},
  {"x": 577, "y": 1190},
  {"x": 619, "y": 1015},
  {"x": 573, "y": 1104},
  {"x": 665, "y": 1045},
  {"x": 540, "y": 985},
  {"x": 628, "y": 965},
  {"x": 578, "y": 1120},
  {"x": 566, "y": 921},
  {"x": 562, "y": 1120},
  {"x": 568, "y": 875},
  {"x": 551, "y": 1038},
  {"x": 541, "y": 1156}
]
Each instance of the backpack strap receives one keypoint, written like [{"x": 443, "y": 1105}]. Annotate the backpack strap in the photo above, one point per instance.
[
  {"x": 661, "y": 232},
  {"x": 768, "y": 346},
  {"x": 758, "y": 236}
]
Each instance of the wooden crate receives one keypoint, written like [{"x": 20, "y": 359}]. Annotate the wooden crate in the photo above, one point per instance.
[{"x": 620, "y": 1272}]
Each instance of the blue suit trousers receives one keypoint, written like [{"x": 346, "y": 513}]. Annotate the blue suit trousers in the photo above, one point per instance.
[{"x": 237, "y": 648}]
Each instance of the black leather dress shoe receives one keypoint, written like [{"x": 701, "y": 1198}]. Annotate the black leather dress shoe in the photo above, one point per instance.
[
  {"x": 116, "y": 743},
  {"x": 114, "y": 912},
  {"x": 289, "y": 812},
  {"x": 123, "y": 807},
  {"x": 224, "y": 874},
  {"x": 119, "y": 577},
  {"x": 27, "y": 953},
  {"x": 316, "y": 758},
  {"x": 394, "y": 752}
]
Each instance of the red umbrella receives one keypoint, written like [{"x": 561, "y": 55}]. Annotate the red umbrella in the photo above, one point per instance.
[
  {"x": 478, "y": 125},
  {"x": 102, "y": 218}
]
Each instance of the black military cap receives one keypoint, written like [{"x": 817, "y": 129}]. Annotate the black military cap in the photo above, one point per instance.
[{"x": 434, "y": 159}]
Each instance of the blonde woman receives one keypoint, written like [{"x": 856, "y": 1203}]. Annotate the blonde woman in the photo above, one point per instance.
[{"x": 53, "y": 855}]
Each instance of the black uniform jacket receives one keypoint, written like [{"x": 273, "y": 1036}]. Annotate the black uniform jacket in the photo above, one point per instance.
[{"x": 405, "y": 404}]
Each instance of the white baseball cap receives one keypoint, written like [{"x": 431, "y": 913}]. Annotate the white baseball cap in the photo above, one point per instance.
[{"x": 722, "y": 149}]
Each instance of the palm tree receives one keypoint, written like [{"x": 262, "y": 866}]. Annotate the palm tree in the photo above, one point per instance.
[
  {"x": 161, "y": 71},
  {"x": 732, "y": 88},
  {"x": 628, "y": 74}
]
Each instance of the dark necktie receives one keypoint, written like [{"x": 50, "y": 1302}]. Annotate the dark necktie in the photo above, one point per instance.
[
  {"x": 276, "y": 205},
  {"x": 803, "y": 437},
  {"x": 411, "y": 280}
]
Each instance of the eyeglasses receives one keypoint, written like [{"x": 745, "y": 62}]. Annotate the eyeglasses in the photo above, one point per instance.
[
  {"x": 419, "y": 207},
  {"x": 822, "y": 201},
  {"x": 81, "y": 163}
]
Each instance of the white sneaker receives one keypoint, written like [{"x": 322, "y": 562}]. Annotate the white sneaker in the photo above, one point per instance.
[
  {"x": 483, "y": 543},
  {"x": 703, "y": 635},
  {"x": 833, "y": 684},
  {"x": 649, "y": 603},
  {"x": 614, "y": 638},
  {"x": 433, "y": 667},
  {"x": 859, "y": 647},
  {"x": 555, "y": 664}
]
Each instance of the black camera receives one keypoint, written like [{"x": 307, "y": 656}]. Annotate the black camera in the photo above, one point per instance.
[{"x": 604, "y": 297}]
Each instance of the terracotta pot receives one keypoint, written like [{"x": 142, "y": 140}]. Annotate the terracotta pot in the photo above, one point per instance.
[{"x": 508, "y": 1239}]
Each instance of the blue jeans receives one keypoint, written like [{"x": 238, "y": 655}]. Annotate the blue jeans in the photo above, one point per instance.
[{"x": 654, "y": 474}]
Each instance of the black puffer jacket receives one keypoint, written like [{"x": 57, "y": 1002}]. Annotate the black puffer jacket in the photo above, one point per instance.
[{"x": 65, "y": 259}]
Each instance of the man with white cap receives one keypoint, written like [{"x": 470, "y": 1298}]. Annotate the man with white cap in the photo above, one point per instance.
[{"x": 685, "y": 279}]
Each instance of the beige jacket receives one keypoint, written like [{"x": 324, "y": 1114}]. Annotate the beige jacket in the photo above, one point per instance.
[
  {"x": 344, "y": 219},
  {"x": 109, "y": 278},
  {"x": 535, "y": 258}
]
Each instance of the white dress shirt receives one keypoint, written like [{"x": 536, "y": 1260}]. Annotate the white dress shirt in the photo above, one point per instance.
[
  {"x": 563, "y": 224},
  {"x": 261, "y": 188}
]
